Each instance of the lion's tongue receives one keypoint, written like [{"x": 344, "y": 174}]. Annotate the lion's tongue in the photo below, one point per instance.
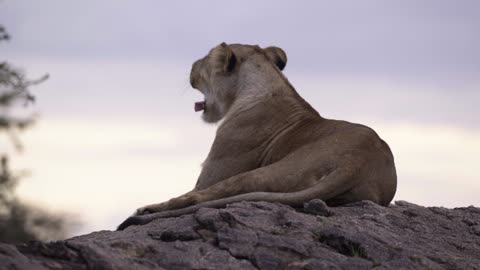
[{"x": 199, "y": 106}]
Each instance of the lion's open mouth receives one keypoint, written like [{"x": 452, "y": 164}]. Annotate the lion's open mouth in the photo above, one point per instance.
[{"x": 200, "y": 106}]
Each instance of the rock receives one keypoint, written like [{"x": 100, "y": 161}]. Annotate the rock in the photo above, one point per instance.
[{"x": 260, "y": 235}]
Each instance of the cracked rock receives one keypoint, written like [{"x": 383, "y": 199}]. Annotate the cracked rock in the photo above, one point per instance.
[{"x": 260, "y": 235}]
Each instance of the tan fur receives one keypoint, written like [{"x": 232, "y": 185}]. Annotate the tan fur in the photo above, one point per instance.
[{"x": 272, "y": 145}]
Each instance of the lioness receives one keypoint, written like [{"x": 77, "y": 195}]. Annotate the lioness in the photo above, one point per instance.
[{"x": 272, "y": 145}]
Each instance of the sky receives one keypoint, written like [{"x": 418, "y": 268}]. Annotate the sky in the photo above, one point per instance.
[{"x": 116, "y": 127}]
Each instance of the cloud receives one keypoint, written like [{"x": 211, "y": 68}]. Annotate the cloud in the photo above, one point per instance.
[
  {"x": 436, "y": 165},
  {"x": 366, "y": 99},
  {"x": 100, "y": 170},
  {"x": 429, "y": 41}
]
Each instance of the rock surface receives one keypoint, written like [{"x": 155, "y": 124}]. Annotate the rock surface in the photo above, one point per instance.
[{"x": 259, "y": 235}]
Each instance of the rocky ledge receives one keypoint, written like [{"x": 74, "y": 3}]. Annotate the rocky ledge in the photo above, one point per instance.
[{"x": 259, "y": 235}]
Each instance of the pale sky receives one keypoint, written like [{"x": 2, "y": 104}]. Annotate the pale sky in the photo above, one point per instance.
[{"x": 117, "y": 128}]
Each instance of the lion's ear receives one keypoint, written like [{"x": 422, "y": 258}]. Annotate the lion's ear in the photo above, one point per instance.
[
  {"x": 225, "y": 57},
  {"x": 277, "y": 56}
]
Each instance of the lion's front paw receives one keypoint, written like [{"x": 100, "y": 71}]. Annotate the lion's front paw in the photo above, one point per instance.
[
  {"x": 142, "y": 211},
  {"x": 150, "y": 209}
]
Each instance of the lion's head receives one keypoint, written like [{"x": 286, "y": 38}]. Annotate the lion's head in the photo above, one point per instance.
[{"x": 227, "y": 69}]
